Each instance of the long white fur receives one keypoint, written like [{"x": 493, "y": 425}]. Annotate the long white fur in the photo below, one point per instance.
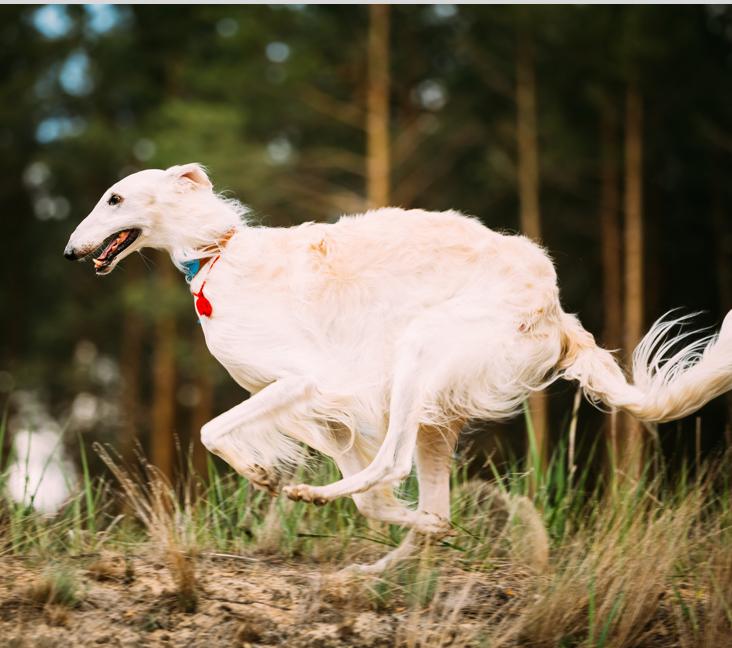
[
  {"x": 355, "y": 336},
  {"x": 669, "y": 381}
]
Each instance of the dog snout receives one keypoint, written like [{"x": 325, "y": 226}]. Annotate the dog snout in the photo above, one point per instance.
[{"x": 70, "y": 253}]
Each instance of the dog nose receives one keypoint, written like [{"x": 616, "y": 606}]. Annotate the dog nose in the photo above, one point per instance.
[{"x": 70, "y": 253}]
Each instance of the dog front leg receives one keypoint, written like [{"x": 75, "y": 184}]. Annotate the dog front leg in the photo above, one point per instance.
[{"x": 247, "y": 438}]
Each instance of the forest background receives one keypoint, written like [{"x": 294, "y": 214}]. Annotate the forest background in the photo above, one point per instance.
[{"x": 604, "y": 132}]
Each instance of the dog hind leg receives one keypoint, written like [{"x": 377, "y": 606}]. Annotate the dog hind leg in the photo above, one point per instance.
[
  {"x": 393, "y": 461},
  {"x": 432, "y": 359},
  {"x": 380, "y": 503},
  {"x": 431, "y": 520}
]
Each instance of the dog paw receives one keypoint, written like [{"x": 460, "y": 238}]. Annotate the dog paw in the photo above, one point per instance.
[
  {"x": 304, "y": 493},
  {"x": 432, "y": 525},
  {"x": 262, "y": 478}
]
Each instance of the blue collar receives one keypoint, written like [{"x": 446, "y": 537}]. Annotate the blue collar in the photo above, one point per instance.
[{"x": 191, "y": 268}]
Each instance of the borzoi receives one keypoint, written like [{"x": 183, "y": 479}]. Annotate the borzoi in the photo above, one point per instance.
[{"x": 373, "y": 339}]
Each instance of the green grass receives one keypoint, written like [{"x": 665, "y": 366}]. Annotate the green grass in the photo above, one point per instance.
[
  {"x": 590, "y": 566},
  {"x": 57, "y": 585}
]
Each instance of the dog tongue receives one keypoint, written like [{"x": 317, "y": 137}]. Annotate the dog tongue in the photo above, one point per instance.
[{"x": 121, "y": 238}]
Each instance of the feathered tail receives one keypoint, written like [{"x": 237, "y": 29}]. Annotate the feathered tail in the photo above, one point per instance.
[{"x": 667, "y": 383}]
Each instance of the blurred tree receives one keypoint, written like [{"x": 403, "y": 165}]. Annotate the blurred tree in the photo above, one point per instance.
[
  {"x": 610, "y": 232},
  {"x": 274, "y": 99},
  {"x": 723, "y": 254},
  {"x": 610, "y": 228},
  {"x": 131, "y": 355},
  {"x": 528, "y": 186},
  {"x": 377, "y": 124},
  {"x": 203, "y": 406},
  {"x": 630, "y": 452},
  {"x": 164, "y": 382}
]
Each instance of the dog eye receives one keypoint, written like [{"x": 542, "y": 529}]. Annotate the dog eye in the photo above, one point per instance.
[{"x": 114, "y": 199}]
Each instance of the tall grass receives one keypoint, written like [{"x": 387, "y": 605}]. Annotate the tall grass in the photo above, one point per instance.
[{"x": 537, "y": 558}]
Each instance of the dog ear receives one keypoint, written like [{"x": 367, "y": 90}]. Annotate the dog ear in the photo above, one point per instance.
[{"x": 193, "y": 173}]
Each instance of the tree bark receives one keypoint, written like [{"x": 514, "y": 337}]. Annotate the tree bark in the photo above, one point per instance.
[
  {"x": 203, "y": 410},
  {"x": 529, "y": 213},
  {"x": 377, "y": 118},
  {"x": 630, "y": 434},
  {"x": 612, "y": 270},
  {"x": 723, "y": 253},
  {"x": 163, "y": 408},
  {"x": 130, "y": 357},
  {"x": 528, "y": 148},
  {"x": 611, "y": 244}
]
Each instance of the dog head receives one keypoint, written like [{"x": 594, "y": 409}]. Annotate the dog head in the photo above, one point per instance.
[{"x": 175, "y": 209}]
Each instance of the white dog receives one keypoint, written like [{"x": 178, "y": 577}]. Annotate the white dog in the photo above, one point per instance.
[{"x": 373, "y": 339}]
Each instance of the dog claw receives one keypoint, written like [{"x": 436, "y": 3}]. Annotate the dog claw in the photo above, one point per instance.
[
  {"x": 262, "y": 478},
  {"x": 304, "y": 493}
]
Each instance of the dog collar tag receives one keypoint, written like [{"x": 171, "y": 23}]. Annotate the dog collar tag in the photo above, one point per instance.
[{"x": 203, "y": 306}]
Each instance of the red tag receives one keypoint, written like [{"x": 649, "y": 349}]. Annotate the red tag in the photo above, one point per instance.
[{"x": 203, "y": 306}]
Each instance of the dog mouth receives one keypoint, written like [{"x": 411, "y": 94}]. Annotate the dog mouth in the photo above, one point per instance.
[{"x": 111, "y": 248}]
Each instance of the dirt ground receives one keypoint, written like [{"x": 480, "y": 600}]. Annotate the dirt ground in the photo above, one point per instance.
[{"x": 240, "y": 602}]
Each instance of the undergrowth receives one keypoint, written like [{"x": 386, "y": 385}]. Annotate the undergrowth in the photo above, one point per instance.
[{"x": 537, "y": 557}]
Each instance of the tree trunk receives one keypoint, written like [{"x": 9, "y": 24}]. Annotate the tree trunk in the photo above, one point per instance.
[
  {"x": 612, "y": 270},
  {"x": 163, "y": 408},
  {"x": 630, "y": 434},
  {"x": 723, "y": 253},
  {"x": 530, "y": 217},
  {"x": 203, "y": 410},
  {"x": 377, "y": 119},
  {"x": 610, "y": 230},
  {"x": 130, "y": 360},
  {"x": 528, "y": 148}
]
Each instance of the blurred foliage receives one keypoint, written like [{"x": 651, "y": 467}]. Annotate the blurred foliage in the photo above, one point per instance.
[{"x": 272, "y": 100}]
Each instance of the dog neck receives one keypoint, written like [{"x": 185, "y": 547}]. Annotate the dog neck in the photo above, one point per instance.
[{"x": 191, "y": 267}]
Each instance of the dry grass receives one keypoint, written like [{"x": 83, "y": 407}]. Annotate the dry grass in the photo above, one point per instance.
[
  {"x": 636, "y": 571},
  {"x": 608, "y": 583},
  {"x": 644, "y": 566},
  {"x": 57, "y": 586},
  {"x": 168, "y": 524}
]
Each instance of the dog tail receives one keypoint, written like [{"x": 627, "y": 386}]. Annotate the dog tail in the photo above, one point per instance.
[{"x": 670, "y": 377}]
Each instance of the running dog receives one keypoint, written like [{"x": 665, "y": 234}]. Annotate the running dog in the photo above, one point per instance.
[{"x": 373, "y": 339}]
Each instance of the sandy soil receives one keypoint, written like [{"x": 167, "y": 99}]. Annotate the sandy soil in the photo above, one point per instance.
[{"x": 132, "y": 602}]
